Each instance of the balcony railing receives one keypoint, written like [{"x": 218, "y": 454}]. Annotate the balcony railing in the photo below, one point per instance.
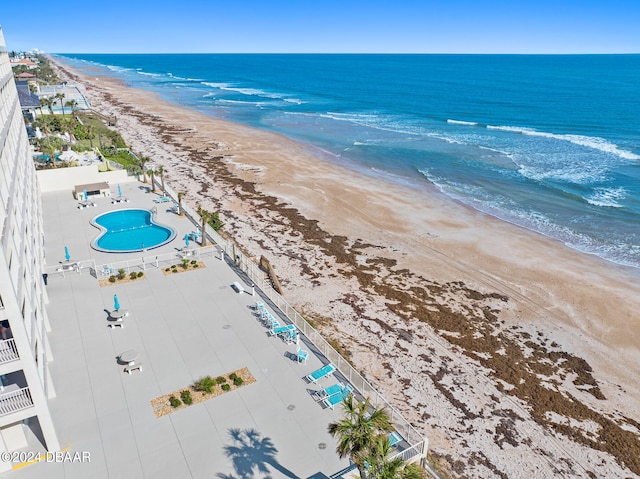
[
  {"x": 8, "y": 351},
  {"x": 15, "y": 401}
]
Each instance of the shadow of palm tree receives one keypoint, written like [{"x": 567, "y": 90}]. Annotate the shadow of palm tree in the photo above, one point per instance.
[{"x": 251, "y": 454}]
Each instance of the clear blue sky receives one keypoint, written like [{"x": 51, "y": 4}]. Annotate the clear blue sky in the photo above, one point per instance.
[{"x": 344, "y": 26}]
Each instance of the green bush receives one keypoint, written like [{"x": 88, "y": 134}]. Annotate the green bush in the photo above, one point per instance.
[
  {"x": 196, "y": 265},
  {"x": 186, "y": 397},
  {"x": 193, "y": 261},
  {"x": 238, "y": 381},
  {"x": 226, "y": 387},
  {"x": 167, "y": 269},
  {"x": 122, "y": 273},
  {"x": 140, "y": 274},
  {"x": 221, "y": 380},
  {"x": 205, "y": 384},
  {"x": 233, "y": 376},
  {"x": 174, "y": 401},
  {"x": 112, "y": 279},
  {"x": 133, "y": 275}
]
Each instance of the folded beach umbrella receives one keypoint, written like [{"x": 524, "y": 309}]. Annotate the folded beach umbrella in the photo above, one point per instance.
[
  {"x": 67, "y": 256},
  {"x": 186, "y": 240},
  {"x": 116, "y": 303},
  {"x": 119, "y": 190},
  {"x": 84, "y": 193}
]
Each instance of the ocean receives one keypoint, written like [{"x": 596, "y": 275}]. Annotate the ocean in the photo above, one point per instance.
[{"x": 548, "y": 142}]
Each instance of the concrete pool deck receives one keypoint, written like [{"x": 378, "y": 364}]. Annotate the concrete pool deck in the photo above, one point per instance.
[{"x": 183, "y": 326}]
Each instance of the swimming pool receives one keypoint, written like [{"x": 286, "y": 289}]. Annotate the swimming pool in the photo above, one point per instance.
[{"x": 129, "y": 230}]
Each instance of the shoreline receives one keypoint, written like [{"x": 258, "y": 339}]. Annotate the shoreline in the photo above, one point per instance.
[{"x": 358, "y": 256}]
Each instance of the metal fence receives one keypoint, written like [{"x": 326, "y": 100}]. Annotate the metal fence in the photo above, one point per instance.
[{"x": 254, "y": 276}]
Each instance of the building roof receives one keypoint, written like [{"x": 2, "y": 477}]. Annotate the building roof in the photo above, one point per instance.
[
  {"x": 27, "y": 99},
  {"x": 25, "y": 62},
  {"x": 25, "y": 75}
]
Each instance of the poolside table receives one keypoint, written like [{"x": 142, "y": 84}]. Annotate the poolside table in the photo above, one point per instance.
[
  {"x": 129, "y": 357},
  {"x": 119, "y": 313}
]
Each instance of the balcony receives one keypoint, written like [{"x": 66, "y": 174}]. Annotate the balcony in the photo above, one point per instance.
[
  {"x": 15, "y": 401},
  {"x": 8, "y": 351}
]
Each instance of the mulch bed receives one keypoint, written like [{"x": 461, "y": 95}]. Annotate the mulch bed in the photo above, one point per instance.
[
  {"x": 179, "y": 269},
  {"x": 162, "y": 407}
]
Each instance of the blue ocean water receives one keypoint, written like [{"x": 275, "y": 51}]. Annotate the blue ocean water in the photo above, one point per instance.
[{"x": 549, "y": 142}]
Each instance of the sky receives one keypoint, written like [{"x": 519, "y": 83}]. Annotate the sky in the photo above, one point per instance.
[{"x": 330, "y": 26}]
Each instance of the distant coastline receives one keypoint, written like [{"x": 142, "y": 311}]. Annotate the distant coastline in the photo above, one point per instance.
[{"x": 564, "y": 168}]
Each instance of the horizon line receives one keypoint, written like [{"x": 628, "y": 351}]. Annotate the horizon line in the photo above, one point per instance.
[{"x": 334, "y": 53}]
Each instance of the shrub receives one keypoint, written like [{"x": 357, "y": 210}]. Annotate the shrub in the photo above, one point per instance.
[
  {"x": 122, "y": 273},
  {"x": 221, "y": 380},
  {"x": 238, "y": 381},
  {"x": 168, "y": 269},
  {"x": 174, "y": 401},
  {"x": 233, "y": 376},
  {"x": 133, "y": 275},
  {"x": 140, "y": 274},
  {"x": 205, "y": 384},
  {"x": 174, "y": 270},
  {"x": 186, "y": 397},
  {"x": 185, "y": 263},
  {"x": 196, "y": 265},
  {"x": 226, "y": 387},
  {"x": 193, "y": 261},
  {"x": 112, "y": 279}
]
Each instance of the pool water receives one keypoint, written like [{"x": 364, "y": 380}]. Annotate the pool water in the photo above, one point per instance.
[{"x": 130, "y": 230}]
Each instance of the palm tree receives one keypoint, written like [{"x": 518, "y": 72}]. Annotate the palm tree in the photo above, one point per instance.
[
  {"x": 60, "y": 97},
  {"x": 380, "y": 466},
  {"x": 72, "y": 104},
  {"x": 141, "y": 162},
  {"x": 91, "y": 131},
  {"x": 161, "y": 173},
  {"x": 49, "y": 101},
  {"x": 357, "y": 430},
  {"x": 180, "y": 196},
  {"x": 205, "y": 216},
  {"x": 152, "y": 173}
]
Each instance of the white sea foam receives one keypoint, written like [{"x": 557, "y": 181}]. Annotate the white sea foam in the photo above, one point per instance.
[
  {"x": 461, "y": 122},
  {"x": 579, "y": 174},
  {"x": 147, "y": 74},
  {"x": 253, "y": 92},
  {"x": 171, "y": 75},
  {"x": 114, "y": 68},
  {"x": 607, "y": 197},
  {"x": 593, "y": 142}
]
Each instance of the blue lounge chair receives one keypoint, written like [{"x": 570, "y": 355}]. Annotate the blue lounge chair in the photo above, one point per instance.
[
  {"x": 287, "y": 328},
  {"x": 291, "y": 337},
  {"x": 323, "y": 372},
  {"x": 330, "y": 391},
  {"x": 395, "y": 438},
  {"x": 162, "y": 199},
  {"x": 301, "y": 355},
  {"x": 338, "y": 398}
]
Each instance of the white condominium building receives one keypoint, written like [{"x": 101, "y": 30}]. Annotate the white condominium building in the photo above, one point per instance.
[{"x": 25, "y": 385}]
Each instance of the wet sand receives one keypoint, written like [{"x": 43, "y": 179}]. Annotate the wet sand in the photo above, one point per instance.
[{"x": 514, "y": 354}]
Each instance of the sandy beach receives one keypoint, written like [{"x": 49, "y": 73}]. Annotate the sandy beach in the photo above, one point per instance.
[{"x": 514, "y": 354}]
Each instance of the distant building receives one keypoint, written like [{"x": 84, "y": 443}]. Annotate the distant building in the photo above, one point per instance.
[
  {"x": 25, "y": 383},
  {"x": 26, "y": 76},
  {"x": 25, "y": 62},
  {"x": 28, "y": 101}
]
